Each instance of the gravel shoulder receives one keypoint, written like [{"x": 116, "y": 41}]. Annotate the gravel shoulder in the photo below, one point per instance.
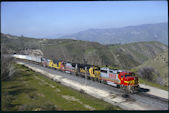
[{"x": 155, "y": 91}]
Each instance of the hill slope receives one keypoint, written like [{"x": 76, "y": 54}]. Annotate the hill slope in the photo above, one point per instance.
[
  {"x": 160, "y": 66},
  {"x": 133, "y": 54},
  {"x": 123, "y": 56},
  {"x": 146, "y": 32}
]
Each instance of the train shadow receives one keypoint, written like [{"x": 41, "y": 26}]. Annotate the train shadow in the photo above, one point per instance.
[{"x": 143, "y": 90}]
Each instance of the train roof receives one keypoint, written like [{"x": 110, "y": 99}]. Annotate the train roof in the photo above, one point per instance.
[{"x": 106, "y": 68}]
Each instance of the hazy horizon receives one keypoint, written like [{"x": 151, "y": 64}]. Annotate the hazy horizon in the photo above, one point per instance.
[{"x": 51, "y": 36}]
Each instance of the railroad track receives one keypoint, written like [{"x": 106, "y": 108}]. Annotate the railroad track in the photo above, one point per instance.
[{"x": 141, "y": 98}]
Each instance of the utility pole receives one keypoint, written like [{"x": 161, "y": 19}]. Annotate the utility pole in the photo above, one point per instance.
[
  {"x": 85, "y": 75},
  {"x": 76, "y": 70}
]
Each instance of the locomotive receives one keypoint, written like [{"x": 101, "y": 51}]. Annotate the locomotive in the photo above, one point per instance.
[{"x": 118, "y": 78}]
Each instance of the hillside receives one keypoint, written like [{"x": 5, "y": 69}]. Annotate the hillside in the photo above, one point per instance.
[
  {"x": 31, "y": 91},
  {"x": 133, "y": 54},
  {"x": 123, "y": 56},
  {"x": 159, "y": 65},
  {"x": 18, "y": 43},
  {"x": 146, "y": 32}
]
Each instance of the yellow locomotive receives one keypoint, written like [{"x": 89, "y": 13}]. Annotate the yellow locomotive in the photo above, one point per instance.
[
  {"x": 56, "y": 64},
  {"x": 94, "y": 72}
]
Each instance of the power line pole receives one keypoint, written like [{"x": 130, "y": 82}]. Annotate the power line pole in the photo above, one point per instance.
[{"x": 85, "y": 75}]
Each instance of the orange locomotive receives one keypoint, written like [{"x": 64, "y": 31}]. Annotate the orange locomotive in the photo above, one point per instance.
[{"x": 119, "y": 78}]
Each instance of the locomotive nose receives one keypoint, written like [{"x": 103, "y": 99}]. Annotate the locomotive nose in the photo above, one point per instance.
[{"x": 135, "y": 78}]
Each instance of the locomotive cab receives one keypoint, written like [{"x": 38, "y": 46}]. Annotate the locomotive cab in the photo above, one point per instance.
[
  {"x": 129, "y": 81},
  {"x": 94, "y": 72},
  {"x": 128, "y": 78},
  {"x": 44, "y": 62}
]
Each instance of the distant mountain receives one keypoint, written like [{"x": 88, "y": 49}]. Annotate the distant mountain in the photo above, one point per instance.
[
  {"x": 53, "y": 36},
  {"x": 124, "y": 56},
  {"x": 146, "y": 32}
]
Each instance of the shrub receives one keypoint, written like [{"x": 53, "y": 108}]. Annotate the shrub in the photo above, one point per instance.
[
  {"x": 38, "y": 107},
  {"x": 7, "y": 100},
  {"x": 7, "y": 68},
  {"x": 147, "y": 73},
  {"x": 165, "y": 80},
  {"x": 82, "y": 91},
  {"x": 111, "y": 107},
  {"x": 160, "y": 80}
]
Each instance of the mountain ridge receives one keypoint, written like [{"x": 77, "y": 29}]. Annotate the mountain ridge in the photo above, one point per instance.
[{"x": 128, "y": 34}]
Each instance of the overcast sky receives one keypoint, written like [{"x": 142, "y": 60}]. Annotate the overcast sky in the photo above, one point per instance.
[{"x": 41, "y": 19}]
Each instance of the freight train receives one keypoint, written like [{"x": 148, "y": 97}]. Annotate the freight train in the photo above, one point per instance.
[{"x": 114, "y": 77}]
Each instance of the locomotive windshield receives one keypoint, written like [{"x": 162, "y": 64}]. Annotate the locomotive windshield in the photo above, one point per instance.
[
  {"x": 55, "y": 61},
  {"x": 127, "y": 76},
  {"x": 97, "y": 68}
]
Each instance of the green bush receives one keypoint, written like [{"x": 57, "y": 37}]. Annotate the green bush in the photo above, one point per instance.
[
  {"x": 148, "y": 73},
  {"x": 7, "y": 100},
  {"x": 111, "y": 107},
  {"x": 38, "y": 107},
  {"x": 7, "y": 68}
]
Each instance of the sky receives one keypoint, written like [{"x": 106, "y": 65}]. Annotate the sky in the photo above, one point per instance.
[{"x": 43, "y": 19}]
